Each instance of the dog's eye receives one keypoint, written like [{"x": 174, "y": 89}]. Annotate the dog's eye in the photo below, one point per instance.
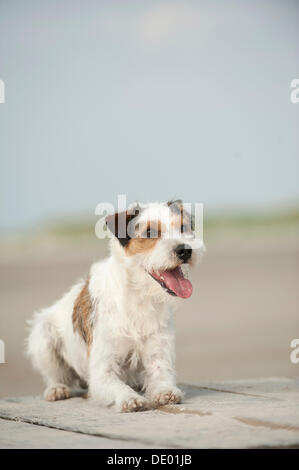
[
  {"x": 151, "y": 233},
  {"x": 185, "y": 228}
]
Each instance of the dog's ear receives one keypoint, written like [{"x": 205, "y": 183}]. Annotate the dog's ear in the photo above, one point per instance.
[
  {"x": 175, "y": 205},
  {"x": 118, "y": 224}
]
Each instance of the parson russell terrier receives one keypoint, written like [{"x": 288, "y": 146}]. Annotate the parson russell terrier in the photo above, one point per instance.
[{"x": 113, "y": 332}]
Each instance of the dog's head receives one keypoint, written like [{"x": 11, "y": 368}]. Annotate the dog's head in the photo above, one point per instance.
[{"x": 159, "y": 239}]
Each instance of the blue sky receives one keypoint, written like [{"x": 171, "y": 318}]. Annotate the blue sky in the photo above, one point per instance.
[{"x": 153, "y": 99}]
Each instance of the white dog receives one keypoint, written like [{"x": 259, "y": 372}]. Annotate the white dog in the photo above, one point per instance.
[{"x": 113, "y": 332}]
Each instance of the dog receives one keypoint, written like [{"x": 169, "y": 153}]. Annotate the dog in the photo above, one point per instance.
[{"x": 113, "y": 333}]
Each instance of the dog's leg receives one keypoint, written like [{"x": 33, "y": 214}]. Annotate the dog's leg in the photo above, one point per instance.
[
  {"x": 105, "y": 384},
  {"x": 44, "y": 349},
  {"x": 159, "y": 363}
]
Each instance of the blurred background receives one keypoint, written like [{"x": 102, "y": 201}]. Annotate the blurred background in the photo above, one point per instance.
[{"x": 155, "y": 100}]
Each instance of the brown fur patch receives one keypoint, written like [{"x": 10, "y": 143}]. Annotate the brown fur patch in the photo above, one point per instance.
[
  {"x": 140, "y": 243},
  {"x": 81, "y": 314}
]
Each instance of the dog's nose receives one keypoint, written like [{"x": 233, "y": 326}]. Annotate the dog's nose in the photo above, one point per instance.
[{"x": 183, "y": 252}]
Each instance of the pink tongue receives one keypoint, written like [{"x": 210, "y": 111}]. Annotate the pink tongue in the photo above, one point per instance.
[{"x": 176, "y": 282}]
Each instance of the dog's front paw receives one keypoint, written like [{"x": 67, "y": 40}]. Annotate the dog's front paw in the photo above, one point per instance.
[
  {"x": 167, "y": 397},
  {"x": 133, "y": 404},
  {"x": 57, "y": 392}
]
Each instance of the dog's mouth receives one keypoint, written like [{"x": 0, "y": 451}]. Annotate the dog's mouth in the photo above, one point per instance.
[{"x": 174, "y": 282}]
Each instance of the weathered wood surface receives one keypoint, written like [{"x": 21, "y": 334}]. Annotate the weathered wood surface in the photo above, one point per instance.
[{"x": 236, "y": 414}]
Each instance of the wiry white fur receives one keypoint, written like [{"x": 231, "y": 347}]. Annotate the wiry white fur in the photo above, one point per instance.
[{"x": 131, "y": 361}]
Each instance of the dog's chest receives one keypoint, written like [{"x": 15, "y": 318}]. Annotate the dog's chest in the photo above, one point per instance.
[
  {"x": 139, "y": 327},
  {"x": 142, "y": 319},
  {"x": 128, "y": 354}
]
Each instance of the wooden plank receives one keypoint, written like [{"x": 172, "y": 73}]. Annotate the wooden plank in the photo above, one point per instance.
[
  {"x": 237, "y": 414},
  {"x": 20, "y": 435}
]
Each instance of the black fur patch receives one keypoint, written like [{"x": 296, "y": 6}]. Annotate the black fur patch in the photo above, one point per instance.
[{"x": 118, "y": 223}]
